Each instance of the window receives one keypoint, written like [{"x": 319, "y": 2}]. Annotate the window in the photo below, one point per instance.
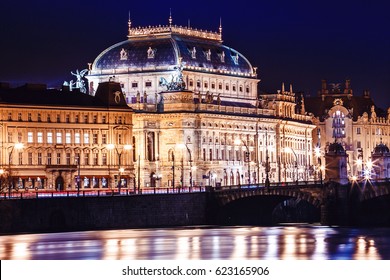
[
  {"x": 119, "y": 138},
  {"x": 58, "y": 118},
  {"x": 94, "y": 119},
  {"x": 227, "y": 87},
  {"x": 104, "y": 119},
  {"x": 104, "y": 158},
  {"x": 30, "y": 137},
  {"x": 10, "y": 116},
  {"x": 48, "y": 118},
  {"x": 220, "y": 86},
  {"x": 39, "y": 117},
  {"x": 58, "y": 158},
  {"x": 29, "y": 117},
  {"x": 213, "y": 86},
  {"x": 39, "y": 158},
  {"x": 67, "y": 118},
  {"x": 234, "y": 88},
  {"x": 59, "y": 138},
  {"x": 240, "y": 89},
  {"x": 206, "y": 85},
  {"x": 85, "y": 118},
  {"x": 191, "y": 83},
  {"x": 9, "y": 137},
  {"x": 30, "y": 157},
  {"x": 19, "y": 116},
  {"x": 86, "y": 158},
  {"x": 148, "y": 84},
  {"x": 20, "y": 158},
  {"x": 86, "y": 138},
  {"x": 247, "y": 89},
  {"x": 358, "y": 144},
  {"x": 95, "y": 159},
  {"x": 95, "y": 138},
  {"x": 104, "y": 139},
  {"x": 358, "y": 130},
  {"x": 68, "y": 138},
  {"x": 40, "y": 137},
  {"x": 77, "y": 138},
  {"x": 49, "y": 137},
  {"x": 77, "y": 119},
  {"x": 68, "y": 158},
  {"x": 198, "y": 84},
  {"x": 134, "y": 84}
]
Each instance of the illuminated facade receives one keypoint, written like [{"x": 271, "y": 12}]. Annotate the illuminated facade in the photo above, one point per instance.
[
  {"x": 356, "y": 123},
  {"x": 50, "y": 138},
  {"x": 198, "y": 118}
]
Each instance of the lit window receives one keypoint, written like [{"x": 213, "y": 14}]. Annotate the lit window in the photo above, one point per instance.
[
  {"x": 49, "y": 137},
  {"x": 59, "y": 137},
  {"x": 104, "y": 139},
  {"x": 77, "y": 138},
  {"x": 40, "y": 137},
  {"x": 86, "y": 138},
  {"x": 68, "y": 138},
  {"x": 30, "y": 138}
]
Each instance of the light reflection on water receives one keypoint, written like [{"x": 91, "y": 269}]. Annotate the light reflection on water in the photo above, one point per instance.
[{"x": 204, "y": 243}]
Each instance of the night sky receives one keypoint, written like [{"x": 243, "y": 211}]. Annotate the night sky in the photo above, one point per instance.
[{"x": 298, "y": 42}]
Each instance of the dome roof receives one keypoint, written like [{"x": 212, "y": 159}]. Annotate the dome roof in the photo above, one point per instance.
[
  {"x": 163, "y": 51},
  {"x": 336, "y": 148},
  {"x": 381, "y": 149}
]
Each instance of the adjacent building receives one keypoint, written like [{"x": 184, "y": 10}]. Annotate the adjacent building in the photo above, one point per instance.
[{"x": 64, "y": 140}]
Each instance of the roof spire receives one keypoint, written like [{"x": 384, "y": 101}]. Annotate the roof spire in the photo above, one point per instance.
[
  {"x": 220, "y": 26},
  {"x": 189, "y": 25},
  {"x": 170, "y": 17},
  {"x": 282, "y": 87},
  {"x": 129, "y": 23}
]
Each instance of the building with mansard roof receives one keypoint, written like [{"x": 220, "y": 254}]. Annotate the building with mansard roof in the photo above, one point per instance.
[
  {"x": 354, "y": 121},
  {"x": 198, "y": 117},
  {"x": 58, "y": 139}
]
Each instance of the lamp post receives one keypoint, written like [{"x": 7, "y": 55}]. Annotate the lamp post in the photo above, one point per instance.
[
  {"x": 17, "y": 146},
  {"x": 317, "y": 151},
  {"x": 288, "y": 149},
  {"x": 78, "y": 175},
  {"x": 182, "y": 146},
  {"x": 173, "y": 170},
  {"x": 247, "y": 157},
  {"x": 119, "y": 149}
]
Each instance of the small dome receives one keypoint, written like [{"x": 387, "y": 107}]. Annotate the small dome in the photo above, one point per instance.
[
  {"x": 336, "y": 148},
  {"x": 381, "y": 149}
]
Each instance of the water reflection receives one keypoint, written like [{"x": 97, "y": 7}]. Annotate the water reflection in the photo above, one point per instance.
[{"x": 273, "y": 243}]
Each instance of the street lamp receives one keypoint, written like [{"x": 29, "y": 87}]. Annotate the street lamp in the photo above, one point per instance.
[
  {"x": 182, "y": 146},
  {"x": 247, "y": 157},
  {"x": 119, "y": 149},
  {"x": 288, "y": 149},
  {"x": 317, "y": 151},
  {"x": 17, "y": 146}
]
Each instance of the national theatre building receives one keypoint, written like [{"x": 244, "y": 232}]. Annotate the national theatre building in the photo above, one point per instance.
[{"x": 198, "y": 118}]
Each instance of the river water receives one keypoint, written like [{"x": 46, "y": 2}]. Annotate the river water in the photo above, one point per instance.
[{"x": 290, "y": 242}]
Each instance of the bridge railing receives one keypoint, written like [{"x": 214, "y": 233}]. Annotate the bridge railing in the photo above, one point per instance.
[
  {"x": 299, "y": 184},
  {"x": 41, "y": 194}
]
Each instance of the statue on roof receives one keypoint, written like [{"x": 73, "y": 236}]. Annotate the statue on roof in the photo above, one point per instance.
[
  {"x": 80, "y": 84},
  {"x": 176, "y": 83}
]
